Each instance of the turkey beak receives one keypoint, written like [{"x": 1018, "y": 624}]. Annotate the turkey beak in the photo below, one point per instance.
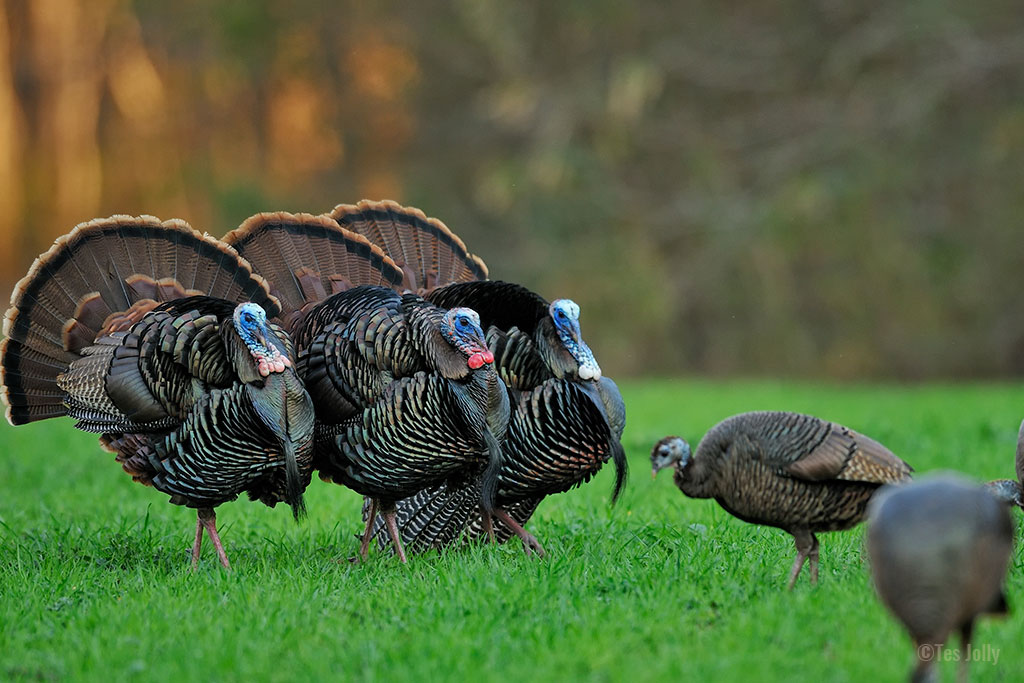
[
  {"x": 264, "y": 336},
  {"x": 261, "y": 338},
  {"x": 657, "y": 466}
]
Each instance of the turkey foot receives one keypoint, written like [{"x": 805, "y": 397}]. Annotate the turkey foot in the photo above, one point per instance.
[
  {"x": 530, "y": 543},
  {"x": 206, "y": 519},
  {"x": 364, "y": 547},
  {"x": 488, "y": 524},
  {"x": 806, "y": 547},
  {"x": 392, "y": 525}
]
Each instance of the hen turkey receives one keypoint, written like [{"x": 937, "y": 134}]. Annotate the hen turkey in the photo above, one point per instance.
[{"x": 796, "y": 472}]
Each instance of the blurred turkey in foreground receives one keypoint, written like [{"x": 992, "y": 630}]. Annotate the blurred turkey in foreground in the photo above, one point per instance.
[
  {"x": 132, "y": 327},
  {"x": 567, "y": 419},
  {"x": 1007, "y": 490},
  {"x": 406, "y": 393},
  {"x": 795, "y": 472},
  {"x": 939, "y": 550}
]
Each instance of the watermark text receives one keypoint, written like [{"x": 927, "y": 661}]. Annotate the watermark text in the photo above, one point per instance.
[{"x": 929, "y": 652}]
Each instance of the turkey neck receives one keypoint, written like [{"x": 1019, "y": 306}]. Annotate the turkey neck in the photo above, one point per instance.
[
  {"x": 553, "y": 352},
  {"x": 239, "y": 355},
  {"x": 425, "y": 334},
  {"x": 695, "y": 479}
]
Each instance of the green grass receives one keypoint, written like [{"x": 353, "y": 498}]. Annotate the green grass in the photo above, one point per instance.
[{"x": 95, "y": 580}]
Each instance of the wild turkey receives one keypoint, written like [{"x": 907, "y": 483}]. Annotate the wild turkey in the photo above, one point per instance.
[
  {"x": 406, "y": 392},
  {"x": 939, "y": 550},
  {"x": 132, "y": 327},
  {"x": 1007, "y": 490},
  {"x": 566, "y": 423},
  {"x": 795, "y": 472},
  {"x": 567, "y": 419}
]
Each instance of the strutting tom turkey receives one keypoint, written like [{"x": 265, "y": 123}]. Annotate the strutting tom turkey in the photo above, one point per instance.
[
  {"x": 567, "y": 419},
  {"x": 405, "y": 392},
  {"x": 796, "y": 472},
  {"x": 156, "y": 337}
]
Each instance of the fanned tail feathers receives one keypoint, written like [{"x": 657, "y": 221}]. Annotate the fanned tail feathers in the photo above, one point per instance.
[
  {"x": 425, "y": 249},
  {"x": 101, "y": 277},
  {"x": 307, "y": 258}
]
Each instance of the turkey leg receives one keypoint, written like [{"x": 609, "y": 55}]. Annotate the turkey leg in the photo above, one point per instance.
[
  {"x": 806, "y": 546},
  {"x": 530, "y": 542},
  {"x": 206, "y": 519}
]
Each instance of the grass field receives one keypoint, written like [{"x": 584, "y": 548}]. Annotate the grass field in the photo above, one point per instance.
[{"x": 95, "y": 580}]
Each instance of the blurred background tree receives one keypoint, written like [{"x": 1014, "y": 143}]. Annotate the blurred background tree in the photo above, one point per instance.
[{"x": 779, "y": 188}]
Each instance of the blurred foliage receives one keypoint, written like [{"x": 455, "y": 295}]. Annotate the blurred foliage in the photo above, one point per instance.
[{"x": 776, "y": 188}]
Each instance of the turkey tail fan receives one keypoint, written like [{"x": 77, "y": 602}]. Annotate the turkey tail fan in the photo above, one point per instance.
[
  {"x": 99, "y": 277},
  {"x": 424, "y": 248},
  {"x": 307, "y": 258},
  {"x": 502, "y": 304}
]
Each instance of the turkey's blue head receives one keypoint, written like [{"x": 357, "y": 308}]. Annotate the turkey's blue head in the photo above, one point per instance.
[
  {"x": 461, "y": 328},
  {"x": 251, "y": 324},
  {"x": 566, "y": 315}
]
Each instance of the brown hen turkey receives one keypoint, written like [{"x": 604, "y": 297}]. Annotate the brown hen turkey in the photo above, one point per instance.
[{"x": 796, "y": 472}]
